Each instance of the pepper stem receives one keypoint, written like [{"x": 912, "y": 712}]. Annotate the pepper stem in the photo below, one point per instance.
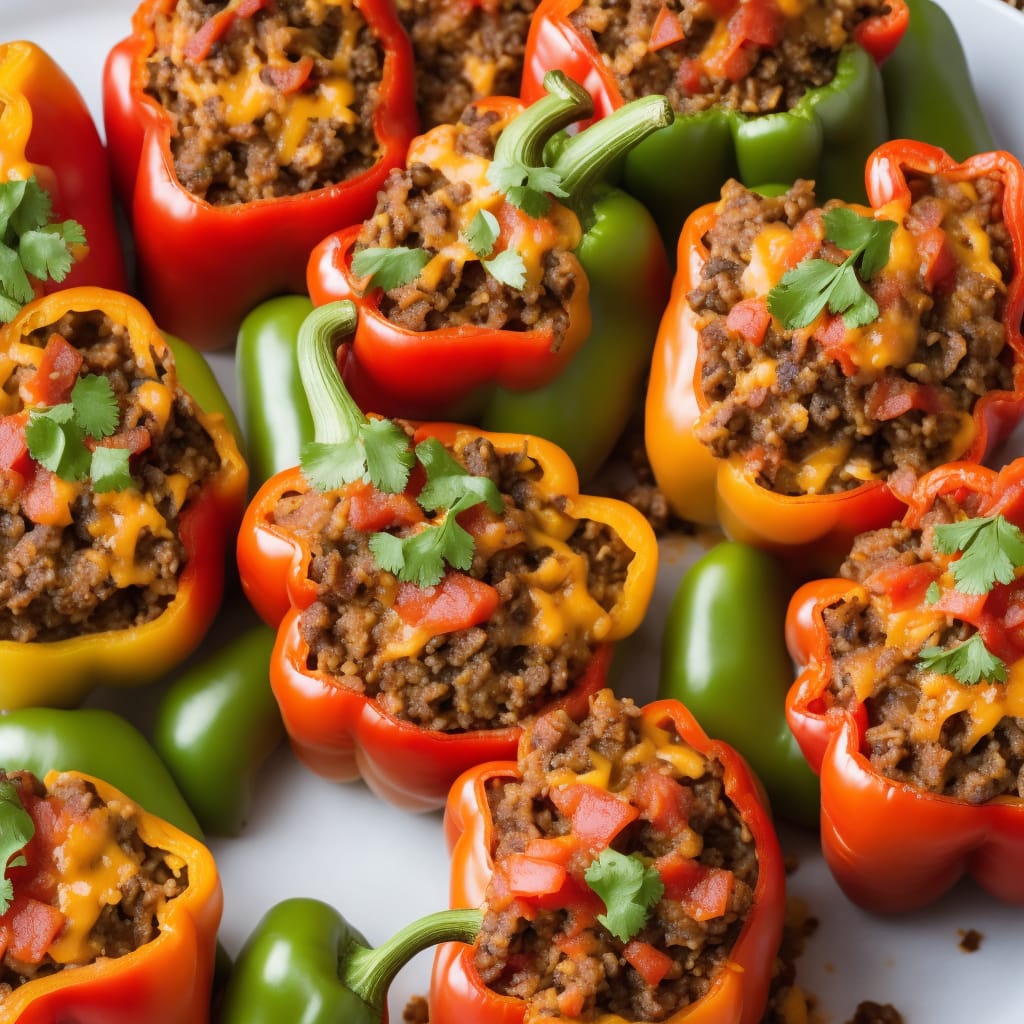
[
  {"x": 336, "y": 417},
  {"x": 523, "y": 140},
  {"x": 369, "y": 972},
  {"x": 586, "y": 157}
]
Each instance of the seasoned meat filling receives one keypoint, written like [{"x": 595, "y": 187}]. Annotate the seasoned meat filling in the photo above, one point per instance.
[
  {"x": 118, "y": 563},
  {"x": 523, "y": 956},
  {"x": 703, "y": 69},
  {"x": 810, "y": 415},
  {"x": 279, "y": 103},
  {"x": 555, "y": 577}
]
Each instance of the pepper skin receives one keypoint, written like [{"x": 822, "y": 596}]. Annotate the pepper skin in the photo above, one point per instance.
[
  {"x": 826, "y": 136},
  {"x": 814, "y": 528},
  {"x": 46, "y": 130},
  {"x": 61, "y": 673},
  {"x": 892, "y": 847},
  {"x": 724, "y": 648},
  {"x": 219, "y": 721},
  {"x": 304, "y": 961},
  {"x": 519, "y": 380},
  {"x": 165, "y": 981},
  {"x": 228, "y": 259},
  {"x": 738, "y": 994}
]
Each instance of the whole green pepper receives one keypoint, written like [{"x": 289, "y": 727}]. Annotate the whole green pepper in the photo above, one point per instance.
[
  {"x": 99, "y": 743},
  {"x": 929, "y": 94},
  {"x": 275, "y": 414},
  {"x": 724, "y": 656},
  {"x": 305, "y": 962},
  {"x": 216, "y": 725}
]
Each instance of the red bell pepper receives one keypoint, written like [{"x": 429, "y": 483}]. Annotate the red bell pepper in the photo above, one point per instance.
[
  {"x": 204, "y": 266},
  {"x": 46, "y": 131},
  {"x": 892, "y": 845},
  {"x": 737, "y": 994}
]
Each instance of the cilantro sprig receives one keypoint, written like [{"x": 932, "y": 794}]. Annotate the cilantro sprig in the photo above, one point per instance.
[
  {"x": 16, "y": 829},
  {"x": 529, "y": 188},
  {"x": 991, "y": 550},
  {"x": 814, "y": 284},
  {"x": 57, "y": 437},
  {"x": 628, "y": 887},
  {"x": 389, "y": 268},
  {"x": 30, "y": 246},
  {"x": 970, "y": 662},
  {"x": 481, "y": 236}
]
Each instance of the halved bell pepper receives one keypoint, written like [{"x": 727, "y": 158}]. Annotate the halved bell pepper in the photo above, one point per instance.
[
  {"x": 342, "y": 733},
  {"x": 164, "y": 981},
  {"x": 827, "y": 135},
  {"x": 522, "y": 379},
  {"x": 47, "y": 132},
  {"x": 62, "y": 672},
  {"x": 203, "y": 266},
  {"x": 706, "y": 489},
  {"x": 739, "y": 991},
  {"x": 893, "y": 846}
]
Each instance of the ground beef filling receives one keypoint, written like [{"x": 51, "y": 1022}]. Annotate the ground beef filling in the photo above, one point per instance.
[
  {"x": 484, "y": 677},
  {"x": 54, "y": 581},
  {"x": 804, "y": 58},
  {"x": 417, "y": 208},
  {"x": 812, "y": 404},
  {"x": 307, "y": 75},
  {"x": 520, "y": 957},
  {"x": 990, "y": 768},
  {"x": 147, "y": 882},
  {"x": 464, "y": 52}
]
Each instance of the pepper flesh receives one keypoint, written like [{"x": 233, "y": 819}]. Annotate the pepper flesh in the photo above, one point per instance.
[{"x": 63, "y": 672}]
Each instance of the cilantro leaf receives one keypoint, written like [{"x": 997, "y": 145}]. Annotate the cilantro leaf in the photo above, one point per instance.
[
  {"x": 482, "y": 233},
  {"x": 16, "y": 829},
  {"x": 449, "y": 484},
  {"x": 508, "y": 268},
  {"x": 629, "y": 889},
  {"x": 109, "y": 470},
  {"x": 95, "y": 405},
  {"x": 970, "y": 662},
  {"x": 379, "y": 454},
  {"x": 420, "y": 558},
  {"x": 991, "y": 548},
  {"x": 528, "y": 188},
  {"x": 389, "y": 268}
]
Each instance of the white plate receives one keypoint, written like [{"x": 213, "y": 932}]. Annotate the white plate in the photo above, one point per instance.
[{"x": 382, "y": 867}]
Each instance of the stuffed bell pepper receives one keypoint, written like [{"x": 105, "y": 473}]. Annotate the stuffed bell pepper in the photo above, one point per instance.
[
  {"x": 811, "y": 354},
  {"x": 118, "y": 496},
  {"x": 432, "y": 585},
  {"x": 502, "y": 285},
  {"x": 240, "y": 133},
  {"x": 108, "y": 915},
  {"x": 910, "y": 703},
  {"x": 627, "y": 869},
  {"x": 764, "y": 91}
]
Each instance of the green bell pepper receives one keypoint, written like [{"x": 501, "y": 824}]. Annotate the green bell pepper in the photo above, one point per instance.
[
  {"x": 275, "y": 415},
  {"x": 305, "y": 962},
  {"x": 216, "y": 724},
  {"x": 724, "y": 656}
]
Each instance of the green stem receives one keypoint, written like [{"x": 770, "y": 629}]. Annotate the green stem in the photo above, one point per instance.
[
  {"x": 336, "y": 417},
  {"x": 523, "y": 141},
  {"x": 369, "y": 972},
  {"x": 586, "y": 157}
]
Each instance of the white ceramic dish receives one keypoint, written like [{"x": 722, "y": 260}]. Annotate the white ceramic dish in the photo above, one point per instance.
[{"x": 382, "y": 867}]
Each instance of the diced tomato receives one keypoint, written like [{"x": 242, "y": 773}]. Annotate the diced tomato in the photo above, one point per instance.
[
  {"x": 832, "y": 335},
  {"x": 216, "y": 26},
  {"x": 648, "y": 961},
  {"x": 370, "y": 510},
  {"x": 938, "y": 264},
  {"x": 749, "y": 318},
  {"x": 881, "y": 34},
  {"x": 532, "y": 876},
  {"x": 571, "y": 1002},
  {"x": 136, "y": 440},
  {"x": 579, "y": 946},
  {"x": 52, "y": 382},
  {"x": 690, "y": 76},
  {"x": 33, "y": 927},
  {"x": 703, "y": 891},
  {"x": 558, "y": 850},
  {"x": 596, "y": 816},
  {"x": 291, "y": 78},
  {"x": 966, "y": 607},
  {"x": 661, "y": 800},
  {"x": 754, "y": 25},
  {"x": 41, "y": 500},
  {"x": 667, "y": 29},
  {"x": 805, "y": 239},
  {"x": 1001, "y": 624},
  {"x": 13, "y": 446},
  {"x": 891, "y": 396},
  {"x": 905, "y": 585},
  {"x": 457, "y": 602}
]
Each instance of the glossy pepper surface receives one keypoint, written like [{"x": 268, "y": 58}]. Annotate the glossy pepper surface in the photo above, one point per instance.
[
  {"x": 826, "y": 136},
  {"x": 166, "y": 980},
  {"x": 340, "y": 732},
  {"x": 724, "y": 649},
  {"x": 62, "y": 672},
  {"x": 47, "y": 132},
  {"x": 304, "y": 961},
  {"x": 228, "y": 259},
  {"x": 509, "y": 378},
  {"x": 894, "y": 847},
  {"x": 738, "y": 993},
  {"x": 706, "y": 489}
]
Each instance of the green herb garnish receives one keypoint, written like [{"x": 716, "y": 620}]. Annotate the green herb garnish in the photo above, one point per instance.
[
  {"x": 970, "y": 662},
  {"x": 629, "y": 889},
  {"x": 16, "y": 829},
  {"x": 389, "y": 268},
  {"x": 30, "y": 245},
  {"x": 481, "y": 236},
  {"x": 991, "y": 548},
  {"x": 529, "y": 188},
  {"x": 805, "y": 290}
]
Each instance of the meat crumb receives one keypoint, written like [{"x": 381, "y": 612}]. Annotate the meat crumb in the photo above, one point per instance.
[{"x": 970, "y": 940}]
